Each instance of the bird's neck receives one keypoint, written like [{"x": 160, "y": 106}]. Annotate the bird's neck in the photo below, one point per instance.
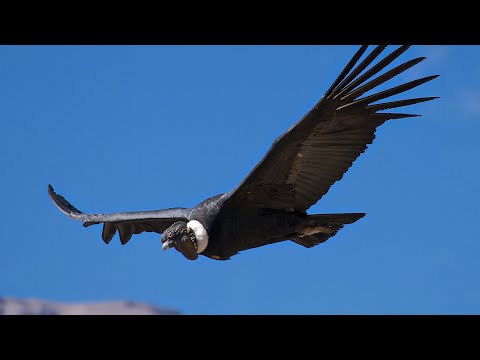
[{"x": 201, "y": 234}]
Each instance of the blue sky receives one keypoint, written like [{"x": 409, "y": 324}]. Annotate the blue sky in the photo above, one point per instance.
[{"x": 131, "y": 128}]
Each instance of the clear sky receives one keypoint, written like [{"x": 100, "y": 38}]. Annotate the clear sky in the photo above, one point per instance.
[{"x": 132, "y": 128}]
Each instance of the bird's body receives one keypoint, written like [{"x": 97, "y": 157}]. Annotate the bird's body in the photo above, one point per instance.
[
  {"x": 233, "y": 229},
  {"x": 270, "y": 204}
]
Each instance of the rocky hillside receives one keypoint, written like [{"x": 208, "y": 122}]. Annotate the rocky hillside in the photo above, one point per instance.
[{"x": 14, "y": 306}]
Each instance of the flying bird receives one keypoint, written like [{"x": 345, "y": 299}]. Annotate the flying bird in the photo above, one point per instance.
[{"x": 270, "y": 204}]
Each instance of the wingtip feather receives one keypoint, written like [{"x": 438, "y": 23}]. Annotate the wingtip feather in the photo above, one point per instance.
[{"x": 66, "y": 207}]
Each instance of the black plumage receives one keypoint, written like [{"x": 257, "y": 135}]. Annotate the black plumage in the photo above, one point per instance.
[{"x": 270, "y": 204}]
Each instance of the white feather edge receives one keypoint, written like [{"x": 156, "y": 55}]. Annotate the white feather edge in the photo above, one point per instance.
[{"x": 201, "y": 234}]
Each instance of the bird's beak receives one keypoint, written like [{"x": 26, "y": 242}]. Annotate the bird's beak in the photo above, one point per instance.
[{"x": 167, "y": 245}]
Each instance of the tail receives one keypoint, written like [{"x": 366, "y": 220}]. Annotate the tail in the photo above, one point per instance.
[{"x": 327, "y": 226}]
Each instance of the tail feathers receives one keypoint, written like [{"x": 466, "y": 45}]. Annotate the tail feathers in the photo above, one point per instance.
[{"x": 332, "y": 221}]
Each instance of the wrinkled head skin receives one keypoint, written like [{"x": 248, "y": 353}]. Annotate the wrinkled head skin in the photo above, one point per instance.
[{"x": 181, "y": 238}]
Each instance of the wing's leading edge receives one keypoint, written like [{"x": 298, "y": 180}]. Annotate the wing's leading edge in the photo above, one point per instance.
[{"x": 127, "y": 223}]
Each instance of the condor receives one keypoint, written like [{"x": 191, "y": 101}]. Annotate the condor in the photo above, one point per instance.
[{"x": 270, "y": 204}]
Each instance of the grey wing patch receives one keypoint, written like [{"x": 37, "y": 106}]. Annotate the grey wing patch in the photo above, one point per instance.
[{"x": 126, "y": 223}]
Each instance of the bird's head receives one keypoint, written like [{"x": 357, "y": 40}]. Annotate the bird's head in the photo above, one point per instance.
[{"x": 180, "y": 237}]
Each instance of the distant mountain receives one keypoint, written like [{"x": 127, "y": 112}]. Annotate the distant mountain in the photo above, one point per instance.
[{"x": 14, "y": 306}]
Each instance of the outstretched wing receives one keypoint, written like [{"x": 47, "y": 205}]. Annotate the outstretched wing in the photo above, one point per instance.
[
  {"x": 304, "y": 162},
  {"x": 127, "y": 223}
]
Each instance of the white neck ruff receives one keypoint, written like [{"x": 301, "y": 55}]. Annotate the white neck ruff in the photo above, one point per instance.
[{"x": 200, "y": 234}]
